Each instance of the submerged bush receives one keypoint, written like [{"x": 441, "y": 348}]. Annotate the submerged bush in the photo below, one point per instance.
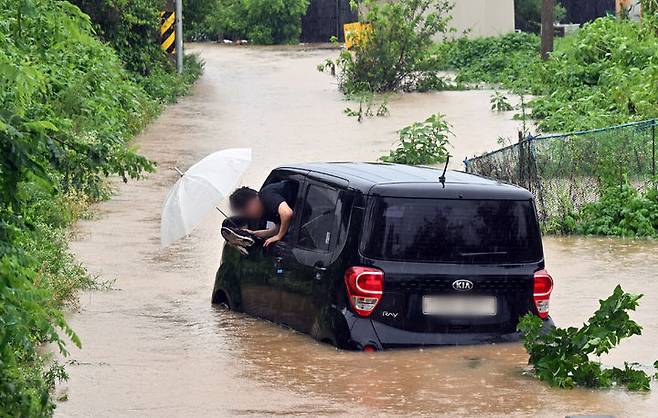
[
  {"x": 422, "y": 143},
  {"x": 394, "y": 52}
]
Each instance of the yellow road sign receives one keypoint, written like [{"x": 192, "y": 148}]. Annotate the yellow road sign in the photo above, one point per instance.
[
  {"x": 168, "y": 31},
  {"x": 355, "y": 33}
]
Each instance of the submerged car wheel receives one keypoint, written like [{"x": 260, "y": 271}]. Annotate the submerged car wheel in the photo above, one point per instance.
[{"x": 220, "y": 300}]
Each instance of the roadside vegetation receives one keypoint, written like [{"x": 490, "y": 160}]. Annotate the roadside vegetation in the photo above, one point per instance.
[
  {"x": 257, "y": 21},
  {"x": 70, "y": 104},
  {"x": 561, "y": 356},
  {"x": 602, "y": 75}
]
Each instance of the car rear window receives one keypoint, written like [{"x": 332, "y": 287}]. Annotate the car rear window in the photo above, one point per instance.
[{"x": 452, "y": 231}]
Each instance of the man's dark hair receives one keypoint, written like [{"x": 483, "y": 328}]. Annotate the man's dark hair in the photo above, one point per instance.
[{"x": 240, "y": 197}]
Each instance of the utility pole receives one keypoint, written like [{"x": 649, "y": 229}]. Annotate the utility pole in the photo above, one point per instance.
[
  {"x": 547, "y": 32},
  {"x": 179, "y": 36}
]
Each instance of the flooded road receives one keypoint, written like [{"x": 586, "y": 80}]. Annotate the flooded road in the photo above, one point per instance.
[{"x": 154, "y": 346}]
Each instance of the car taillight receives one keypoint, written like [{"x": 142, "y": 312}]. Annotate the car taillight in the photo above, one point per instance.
[
  {"x": 364, "y": 288},
  {"x": 542, "y": 292}
]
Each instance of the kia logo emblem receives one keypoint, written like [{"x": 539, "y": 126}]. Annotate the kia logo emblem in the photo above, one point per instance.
[{"x": 462, "y": 285}]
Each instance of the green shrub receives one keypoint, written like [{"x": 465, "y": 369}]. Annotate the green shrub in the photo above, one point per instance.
[
  {"x": 621, "y": 210},
  {"x": 603, "y": 75},
  {"x": 500, "y": 103},
  {"x": 561, "y": 356},
  {"x": 395, "y": 54},
  {"x": 422, "y": 143},
  {"x": 496, "y": 59}
]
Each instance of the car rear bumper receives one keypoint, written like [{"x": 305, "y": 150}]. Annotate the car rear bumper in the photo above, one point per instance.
[{"x": 368, "y": 332}]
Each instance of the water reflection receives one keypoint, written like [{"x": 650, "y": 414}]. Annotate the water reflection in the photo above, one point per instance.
[{"x": 491, "y": 379}]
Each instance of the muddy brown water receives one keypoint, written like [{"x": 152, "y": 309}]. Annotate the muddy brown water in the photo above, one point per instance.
[{"x": 154, "y": 346}]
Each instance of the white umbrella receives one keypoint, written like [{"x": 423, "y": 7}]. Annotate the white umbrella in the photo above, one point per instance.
[{"x": 200, "y": 189}]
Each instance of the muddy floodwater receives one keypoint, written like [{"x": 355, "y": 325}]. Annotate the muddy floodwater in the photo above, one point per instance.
[{"x": 154, "y": 346}]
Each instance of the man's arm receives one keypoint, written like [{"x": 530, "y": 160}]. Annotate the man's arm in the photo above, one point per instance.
[
  {"x": 265, "y": 233},
  {"x": 285, "y": 213}
]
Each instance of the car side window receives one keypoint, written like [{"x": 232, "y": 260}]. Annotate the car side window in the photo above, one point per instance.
[{"x": 318, "y": 218}]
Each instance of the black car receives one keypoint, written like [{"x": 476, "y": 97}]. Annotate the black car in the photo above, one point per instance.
[{"x": 384, "y": 255}]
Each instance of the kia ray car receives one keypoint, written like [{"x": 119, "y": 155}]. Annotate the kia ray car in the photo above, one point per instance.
[{"x": 382, "y": 256}]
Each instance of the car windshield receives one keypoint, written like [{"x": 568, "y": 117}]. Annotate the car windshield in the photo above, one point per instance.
[{"x": 452, "y": 231}]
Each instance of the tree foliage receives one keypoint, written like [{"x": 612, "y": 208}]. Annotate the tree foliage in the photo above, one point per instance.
[
  {"x": 649, "y": 7},
  {"x": 527, "y": 14},
  {"x": 258, "y": 21},
  {"x": 132, "y": 29}
]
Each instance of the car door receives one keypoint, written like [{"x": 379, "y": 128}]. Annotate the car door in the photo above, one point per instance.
[
  {"x": 259, "y": 291},
  {"x": 302, "y": 262}
]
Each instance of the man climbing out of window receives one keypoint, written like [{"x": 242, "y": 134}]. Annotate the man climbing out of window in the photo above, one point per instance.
[{"x": 271, "y": 208}]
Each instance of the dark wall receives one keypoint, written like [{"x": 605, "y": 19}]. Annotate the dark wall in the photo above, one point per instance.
[
  {"x": 325, "y": 18},
  {"x": 581, "y": 11}
]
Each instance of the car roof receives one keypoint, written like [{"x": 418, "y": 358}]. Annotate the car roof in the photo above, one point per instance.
[{"x": 398, "y": 180}]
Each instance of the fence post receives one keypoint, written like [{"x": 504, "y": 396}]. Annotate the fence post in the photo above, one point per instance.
[
  {"x": 522, "y": 158},
  {"x": 653, "y": 148}
]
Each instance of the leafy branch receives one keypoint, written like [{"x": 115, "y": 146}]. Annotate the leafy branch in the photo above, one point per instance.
[{"x": 561, "y": 356}]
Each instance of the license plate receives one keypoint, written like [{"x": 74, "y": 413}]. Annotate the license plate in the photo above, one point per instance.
[{"x": 459, "y": 305}]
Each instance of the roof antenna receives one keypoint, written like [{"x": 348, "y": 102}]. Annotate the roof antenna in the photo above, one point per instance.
[{"x": 442, "y": 179}]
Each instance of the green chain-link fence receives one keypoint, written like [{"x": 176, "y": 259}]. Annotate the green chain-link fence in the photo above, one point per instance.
[{"x": 567, "y": 170}]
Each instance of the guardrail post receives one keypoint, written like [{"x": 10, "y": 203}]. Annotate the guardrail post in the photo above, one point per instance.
[{"x": 179, "y": 36}]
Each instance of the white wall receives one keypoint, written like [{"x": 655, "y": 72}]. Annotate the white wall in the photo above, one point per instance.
[{"x": 483, "y": 17}]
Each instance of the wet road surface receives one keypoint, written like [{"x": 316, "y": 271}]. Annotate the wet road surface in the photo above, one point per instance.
[{"x": 154, "y": 346}]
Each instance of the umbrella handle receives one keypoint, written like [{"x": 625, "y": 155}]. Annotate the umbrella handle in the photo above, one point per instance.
[
  {"x": 179, "y": 172},
  {"x": 227, "y": 217}
]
